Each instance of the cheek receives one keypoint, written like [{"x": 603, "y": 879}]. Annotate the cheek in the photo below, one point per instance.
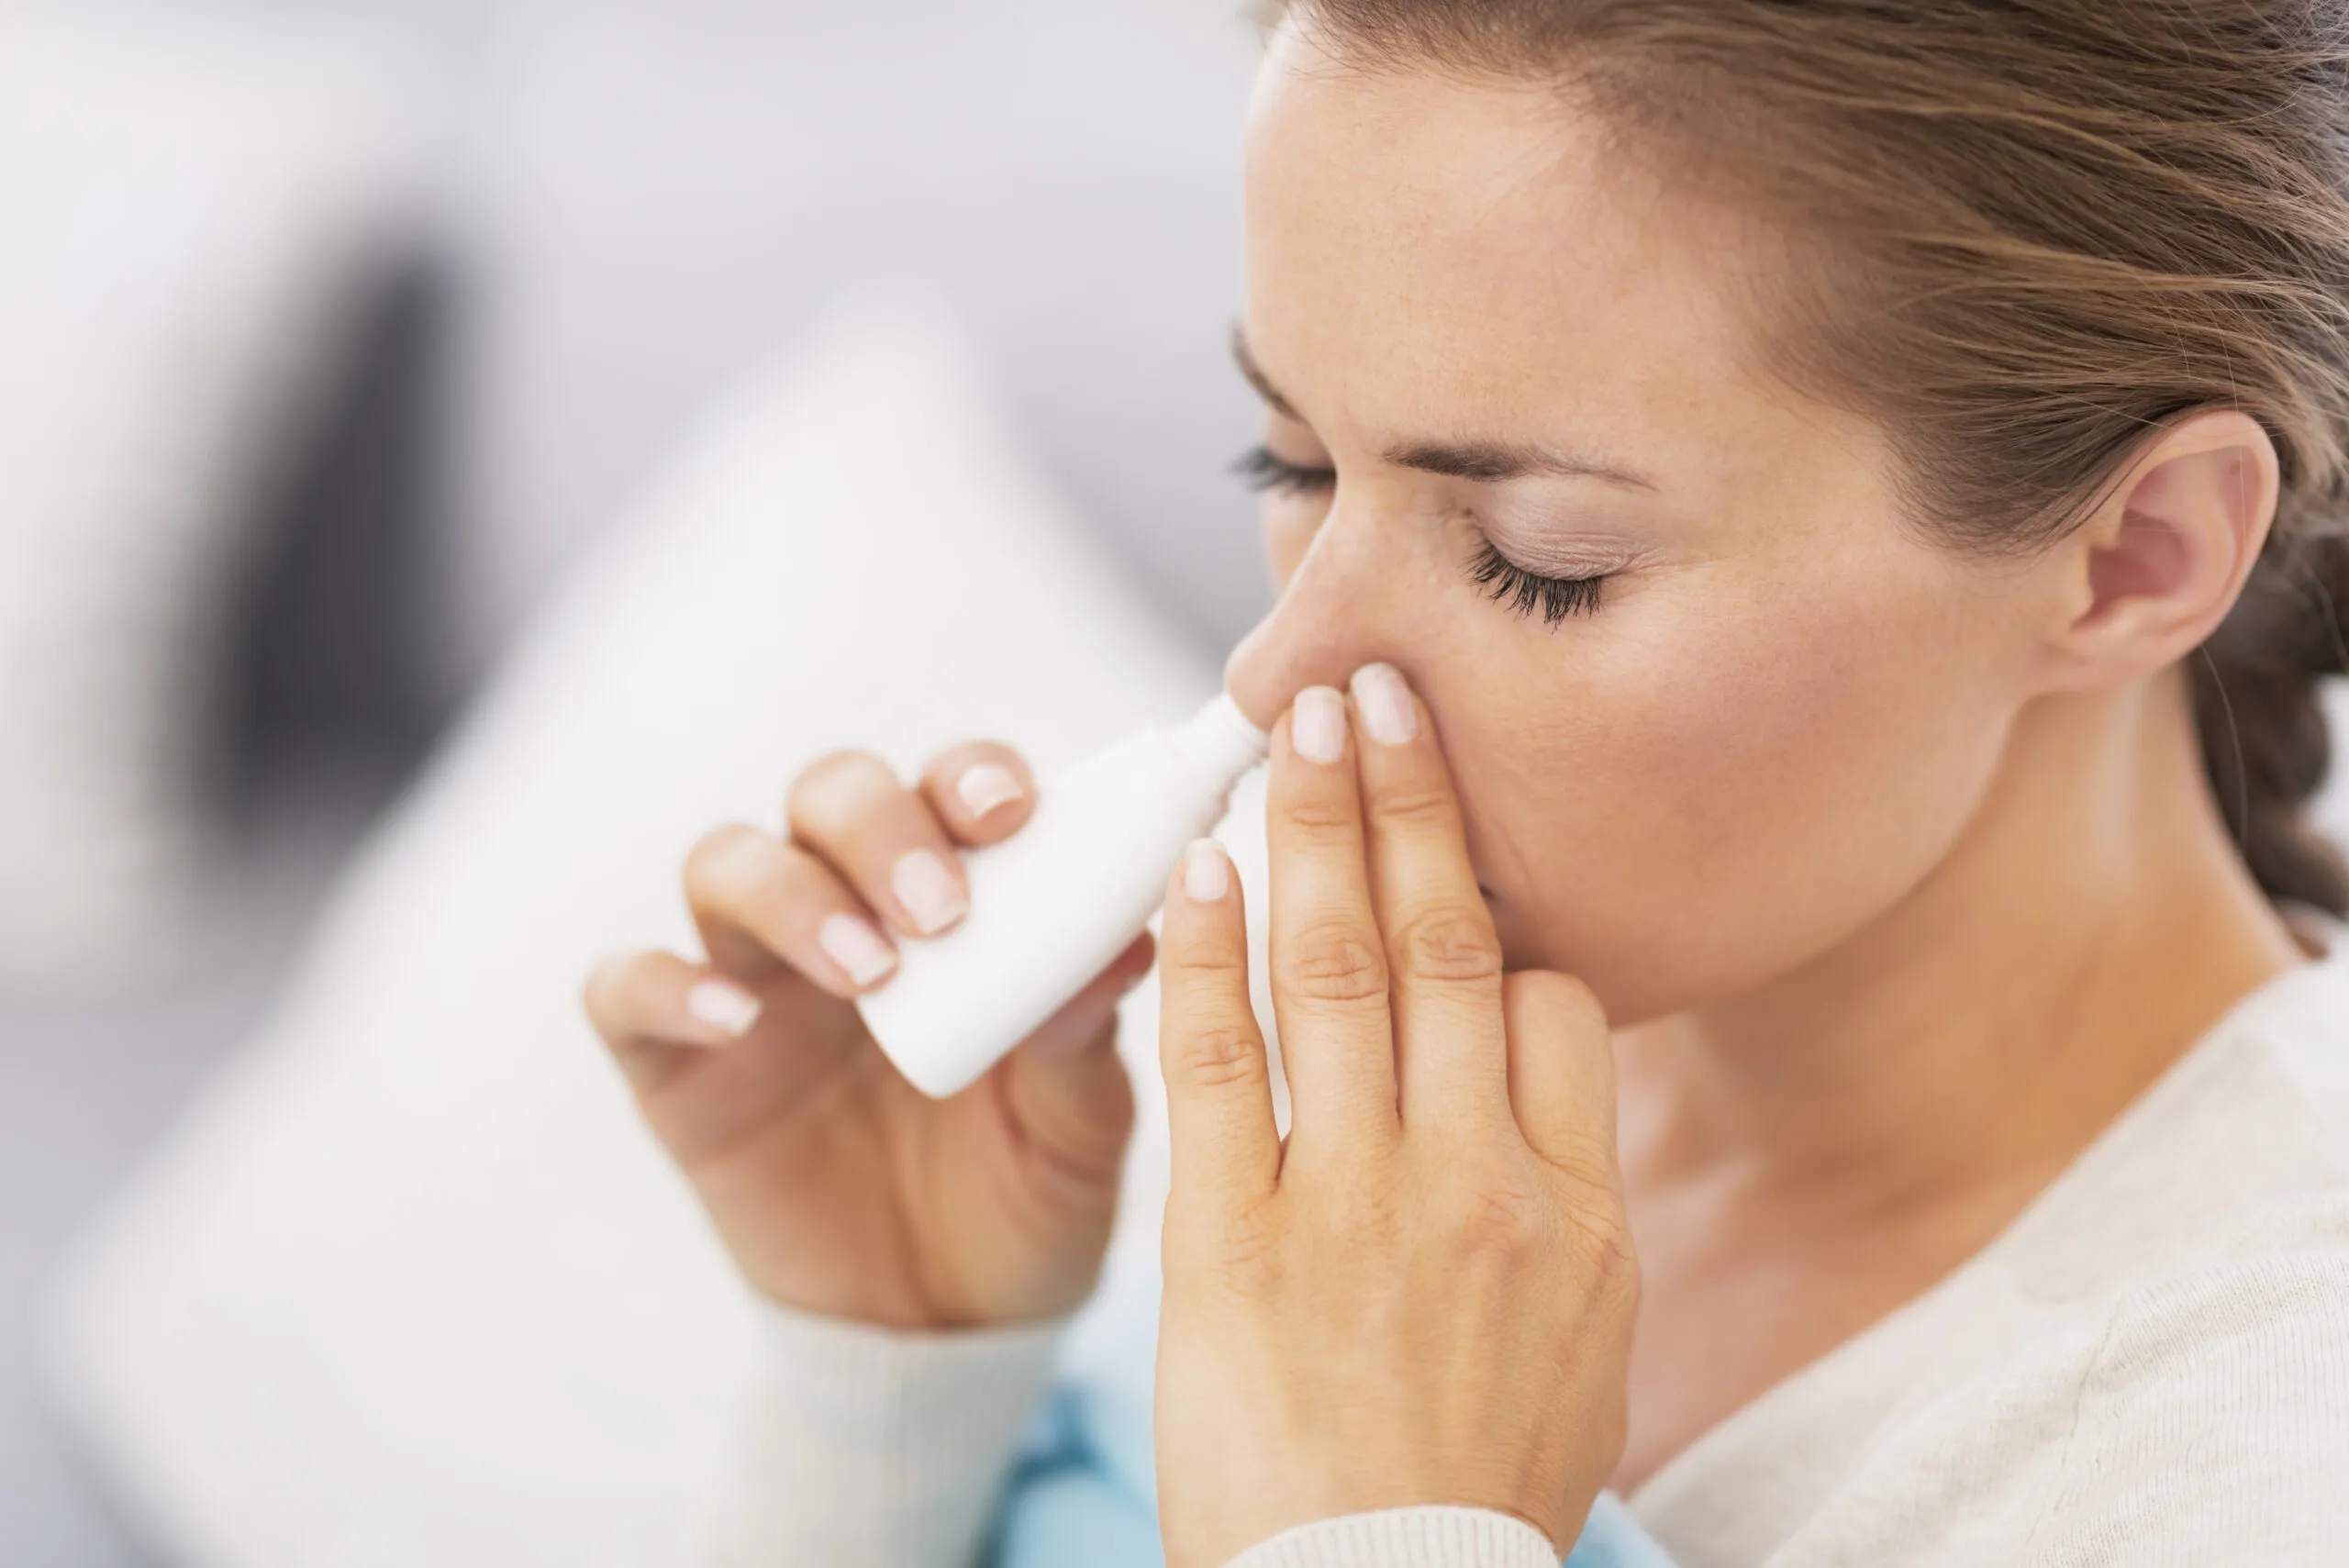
[{"x": 1714, "y": 797}]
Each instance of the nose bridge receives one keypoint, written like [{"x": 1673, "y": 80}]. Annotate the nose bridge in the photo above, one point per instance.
[{"x": 1329, "y": 621}]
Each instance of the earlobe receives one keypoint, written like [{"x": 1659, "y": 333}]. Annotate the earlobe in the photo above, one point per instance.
[{"x": 2166, "y": 556}]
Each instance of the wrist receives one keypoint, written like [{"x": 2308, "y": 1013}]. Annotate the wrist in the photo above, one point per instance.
[{"x": 896, "y": 1308}]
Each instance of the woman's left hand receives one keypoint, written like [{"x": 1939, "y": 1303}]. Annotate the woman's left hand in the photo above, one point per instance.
[{"x": 1425, "y": 1294}]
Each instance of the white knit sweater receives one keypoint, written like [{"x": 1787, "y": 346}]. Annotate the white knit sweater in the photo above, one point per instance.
[{"x": 2150, "y": 1367}]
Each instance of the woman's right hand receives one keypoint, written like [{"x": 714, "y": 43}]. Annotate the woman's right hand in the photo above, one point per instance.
[{"x": 840, "y": 1188}]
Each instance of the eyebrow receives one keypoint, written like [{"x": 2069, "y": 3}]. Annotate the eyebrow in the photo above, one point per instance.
[{"x": 1485, "y": 463}]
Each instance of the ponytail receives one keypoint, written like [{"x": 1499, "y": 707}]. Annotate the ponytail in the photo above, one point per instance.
[{"x": 2258, "y": 705}]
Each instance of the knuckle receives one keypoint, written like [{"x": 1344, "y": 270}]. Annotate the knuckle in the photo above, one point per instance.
[
  {"x": 1499, "y": 1217},
  {"x": 727, "y": 862},
  {"x": 1560, "y": 996},
  {"x": 1322, "y": 814},
  {"x": 1585, "y": 1157},
  {"x": 1598, "y": 1246},
  {"x": 1237, "y": 1245},
  {"x": 836, "y": 784},
  {"x": 1449, "y": 943},
  {"x": 1608, "y": 1252},
  {"x": 1333, "y": 964},
  {"x": 1247, "y": 1248},
  {"x": 1415, "y": 807},
  {"x": 1206, "y": 959},
  {"x": 1216, "y": 1056}
]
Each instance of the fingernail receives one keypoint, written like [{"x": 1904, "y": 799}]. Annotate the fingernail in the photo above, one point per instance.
[
  {"x": 1384, "y": 702},
  {"x": 722, "y": 1005},
  {"x": 986, "y": 787},
  {"x": 928, "y": 892},
  {"x": 1317, "y": 726},
  {"x": 1207, "y": 874},
  {"x": 851, "y": 942}
]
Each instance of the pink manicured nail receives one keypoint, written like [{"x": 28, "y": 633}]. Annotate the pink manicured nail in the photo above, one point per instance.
[
  {"x": 853, "y": 944},
  {"x": 928, "y": 892},
  {"x": 986, "y": 787},
  {"x": 1316, "y": 725},
  {"x": 722, "y": 1005},
  {"x": 1384, "y": 700},
  {"x": 1207, "y": 874}
]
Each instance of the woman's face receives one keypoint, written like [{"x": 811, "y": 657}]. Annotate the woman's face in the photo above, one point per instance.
[{"x": 1485, "y": 344}]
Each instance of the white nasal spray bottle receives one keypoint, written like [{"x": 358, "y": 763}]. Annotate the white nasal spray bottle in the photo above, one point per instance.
[{"x": 1054, "y": 902}]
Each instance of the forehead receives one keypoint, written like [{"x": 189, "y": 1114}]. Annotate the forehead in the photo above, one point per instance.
[{"x": 1433, "y": 251}]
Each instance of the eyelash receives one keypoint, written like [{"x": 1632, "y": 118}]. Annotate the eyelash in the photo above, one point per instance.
[{"x": 1503, "y": 580}]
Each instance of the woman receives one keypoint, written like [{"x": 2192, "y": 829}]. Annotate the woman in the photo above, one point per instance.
[{"x": 1825, "y": 518}]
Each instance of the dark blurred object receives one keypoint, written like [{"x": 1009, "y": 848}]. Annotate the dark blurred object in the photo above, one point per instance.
[
  {"x": 327, "y": 659},
  {"x": 328, "y": 709},
  {"x": 197, "y": 213}
]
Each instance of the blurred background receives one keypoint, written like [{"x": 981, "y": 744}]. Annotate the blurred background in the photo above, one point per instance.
[
  {"x": 454, "y": 453},
  {"x": 333, "y": 333}
]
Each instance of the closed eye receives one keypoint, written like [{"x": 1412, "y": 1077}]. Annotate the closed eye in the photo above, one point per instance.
[
  {"x": 1504, "y": 581},
  {"x": 1526, "y": 592},
  {"x": 1264, "y": 472}
]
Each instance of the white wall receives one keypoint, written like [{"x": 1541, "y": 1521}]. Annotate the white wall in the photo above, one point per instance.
[{"x": 665, "y": 192}]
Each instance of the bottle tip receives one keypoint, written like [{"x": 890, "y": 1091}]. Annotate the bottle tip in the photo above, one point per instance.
[
  {"x": 1228, "y": 705},
  {"x": 1222, "y": 742}
]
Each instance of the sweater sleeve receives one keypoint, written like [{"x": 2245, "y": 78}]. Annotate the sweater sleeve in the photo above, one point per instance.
[
  {"x": 1433, "y": 1537},
  {"x": 876, "y": 1446}
]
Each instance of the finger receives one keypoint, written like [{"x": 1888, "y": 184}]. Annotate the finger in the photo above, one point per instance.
[
  {"x": 1442, "y": 953},
  {"x": 1562, "y": 1075},
  {"x": 764, "y": 905},
  {"x": 1329, "y": 977},
  {"x": 1226, "y": 1148},
  {"x": 653, "y": 1008},
  {"x": 1068, "y": 1085},
  {"x": 851, "y": 809},
  {"x": 982, "y": 791}
]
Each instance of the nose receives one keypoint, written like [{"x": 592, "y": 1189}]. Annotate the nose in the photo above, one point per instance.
[{"x": 1332, "y": 617}]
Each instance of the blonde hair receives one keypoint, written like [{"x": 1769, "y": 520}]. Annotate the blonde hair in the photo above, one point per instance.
[{"x": 2030, "y": 232}]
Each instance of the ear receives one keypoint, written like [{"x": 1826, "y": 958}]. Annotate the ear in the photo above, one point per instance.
[{"x": 2156, "y": 567}]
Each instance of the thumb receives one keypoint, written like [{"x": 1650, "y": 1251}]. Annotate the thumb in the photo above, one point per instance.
[
  {"x": 1066, "y": 1086},
  {"x": 1562, "y": 1074}
]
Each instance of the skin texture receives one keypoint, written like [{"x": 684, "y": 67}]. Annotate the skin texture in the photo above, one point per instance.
[{"x": 1894, "y": 870}]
